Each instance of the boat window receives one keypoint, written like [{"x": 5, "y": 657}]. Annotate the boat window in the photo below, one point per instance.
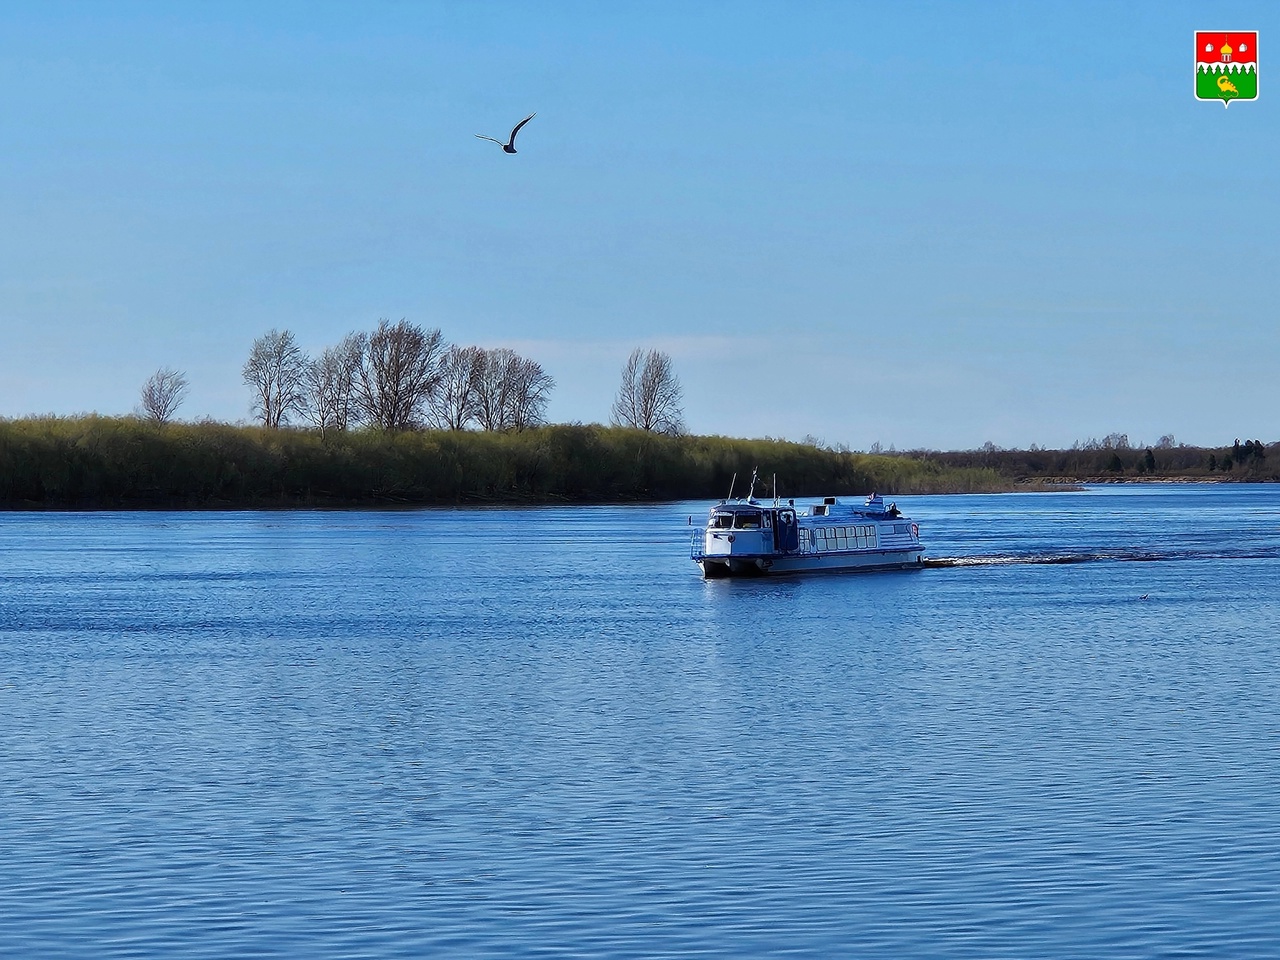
[
  {"x": 844, "y": 537},
  {"x": 722, "y": 520},
  {"x": 746, "y": 521}
]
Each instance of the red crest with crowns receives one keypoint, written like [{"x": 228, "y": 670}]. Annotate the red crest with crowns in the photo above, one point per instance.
[{"x": 1226, "y": 65}]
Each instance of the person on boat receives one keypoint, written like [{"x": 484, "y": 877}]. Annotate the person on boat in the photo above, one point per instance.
[{"x": 894, "y": 511}]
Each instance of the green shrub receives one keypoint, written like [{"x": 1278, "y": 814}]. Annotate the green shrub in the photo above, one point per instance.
[{"x": 125, "y": 462}]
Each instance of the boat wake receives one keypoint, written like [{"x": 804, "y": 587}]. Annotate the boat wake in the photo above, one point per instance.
[{"x": 1147, "y": 556}]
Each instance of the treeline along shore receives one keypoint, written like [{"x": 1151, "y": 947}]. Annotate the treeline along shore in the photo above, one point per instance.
[
  {"x": 1113, "y": 459},
  {"x": 94, "y": 462},
  {"x": 97, "y": 462}
]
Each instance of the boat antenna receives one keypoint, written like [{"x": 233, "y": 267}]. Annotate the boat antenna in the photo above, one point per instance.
[
  {"x": 752, "y": 492},
  {"x": 775, "y": 489},
  {"x": 731, "y": 483}
]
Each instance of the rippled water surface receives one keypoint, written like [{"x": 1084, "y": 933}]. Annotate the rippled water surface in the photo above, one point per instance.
[{"x": 512, "y": 733}]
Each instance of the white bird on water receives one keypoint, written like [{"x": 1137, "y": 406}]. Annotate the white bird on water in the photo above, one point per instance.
[{"x": 510, "y": 145}]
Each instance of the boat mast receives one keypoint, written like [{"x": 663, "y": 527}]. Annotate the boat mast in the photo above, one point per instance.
[{"x": 731, "y": 483}]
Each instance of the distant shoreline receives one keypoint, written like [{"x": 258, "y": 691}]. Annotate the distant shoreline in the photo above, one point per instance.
[
  {"x": 104, "y": 463},
  {"x": 123, "y": 463}
]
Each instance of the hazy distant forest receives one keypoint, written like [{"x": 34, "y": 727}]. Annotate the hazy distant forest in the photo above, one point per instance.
[{"x": 398, "y": 416}]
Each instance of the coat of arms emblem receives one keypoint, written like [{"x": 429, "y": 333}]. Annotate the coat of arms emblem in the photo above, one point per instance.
[{"x": 1226, "y": 65}]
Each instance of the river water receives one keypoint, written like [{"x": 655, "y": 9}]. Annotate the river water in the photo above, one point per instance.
[{"x": 519, "y": 733}]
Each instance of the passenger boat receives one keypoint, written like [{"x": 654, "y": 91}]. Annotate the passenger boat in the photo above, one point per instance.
[{"x": 749, "y": 537}]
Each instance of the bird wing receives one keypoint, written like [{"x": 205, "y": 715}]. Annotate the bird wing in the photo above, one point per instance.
[
  {"x": 512, "y": 141},
  {"x": 483, "y": 137}
]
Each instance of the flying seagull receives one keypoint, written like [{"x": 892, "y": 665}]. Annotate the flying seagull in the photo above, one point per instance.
[{"x": 510, "y": 145}]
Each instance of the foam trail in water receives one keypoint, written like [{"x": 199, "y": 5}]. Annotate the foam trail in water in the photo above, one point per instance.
[
  {"x": 989, "y": 561},
  {"x": 1140, "y": 555}
]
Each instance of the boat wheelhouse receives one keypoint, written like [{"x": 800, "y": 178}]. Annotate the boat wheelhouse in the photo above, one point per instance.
[{"x": 751, "y": 537}]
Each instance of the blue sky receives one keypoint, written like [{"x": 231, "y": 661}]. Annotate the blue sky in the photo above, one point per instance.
[{"x": 918, "y": 224}]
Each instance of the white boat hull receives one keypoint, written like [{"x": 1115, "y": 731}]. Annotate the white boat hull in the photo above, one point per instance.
[{"x": 713, "y": 567}]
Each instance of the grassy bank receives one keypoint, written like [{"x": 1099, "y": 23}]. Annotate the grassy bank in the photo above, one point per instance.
[{"x": 102, "y": 463}]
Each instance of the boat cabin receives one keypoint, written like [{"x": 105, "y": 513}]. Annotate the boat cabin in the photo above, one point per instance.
[{"x": 773, "y": 528}]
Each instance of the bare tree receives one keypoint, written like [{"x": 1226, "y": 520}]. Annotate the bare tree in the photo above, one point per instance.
[
  {"x": 494, "y": 384},
  {"x": 329, "y": 383},
  {"x": 454, "y": 405},
  {"x": 650, "y": 395},
  {"x": 398, "y": 375},
  {"x": 162, "y": 394},
  {"x": 529, "y": 395},
  {"x": 511, "y": 391},
  {"x": 275, "y": 371}
]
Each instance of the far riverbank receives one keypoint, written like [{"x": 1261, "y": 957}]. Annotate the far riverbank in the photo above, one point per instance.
[
  {"x": 95, "y": 463},
  {"x": 125, "y": 463}
]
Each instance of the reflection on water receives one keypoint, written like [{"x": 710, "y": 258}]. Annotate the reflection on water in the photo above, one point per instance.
[{"x": 540, "y": 732}]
